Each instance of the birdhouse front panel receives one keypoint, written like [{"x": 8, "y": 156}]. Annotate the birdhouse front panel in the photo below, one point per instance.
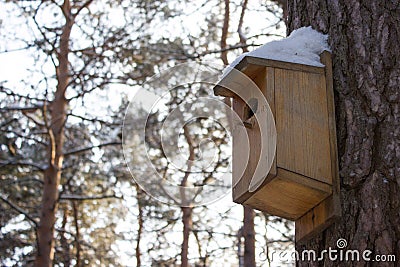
[{"x": 250, "y": 127}]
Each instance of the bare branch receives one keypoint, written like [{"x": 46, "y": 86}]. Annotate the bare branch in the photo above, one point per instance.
[
  {"x": 85, "y": 5},
  {"x": 81, "y": 150},
  {"x": 95, "y": 120},
  {"x": 19, "y": 210},
  {"x": 22, "y": 163},
  {"x": 33, "y": 119},
  {"x": 17, "y": 49},
  {"x": 225, "y": 27},
  {"x": 82, "y": 198},
  {"x": 242, "y": 37},
  {"x": 22, "y": 181},
  {"x": 10, "y": 92},
  {"x": 8, "y": 122},
  {"x": 24, "y": 109}
]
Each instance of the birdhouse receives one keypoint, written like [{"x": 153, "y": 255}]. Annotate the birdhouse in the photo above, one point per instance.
[{"x": 293, "y": 174}]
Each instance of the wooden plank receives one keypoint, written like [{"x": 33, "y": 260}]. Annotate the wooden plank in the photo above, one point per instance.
[
  {"x": 270, "y": 96},
  {"x": 317, "y": 219},
  {"x": 240, "y": 153},
  {"x": 289, "y": 195},
  {"x": 328, "y": 211},
  {"x": 223, "y": 91},
  {"x": 257, "y": 158},
  {"x": 248, "y": 60},
  {"x": 242, "y": 184},
  {"x": 266, "y": 135},
  {"x": 302, "y": 124},
  {"x": 306, "y": 181},
  {"x": 251, "y": 70},
  {"x": 233, "y": 84},
  {"x": 251, "y": 66},
  {"x": 326, "y": 59}
]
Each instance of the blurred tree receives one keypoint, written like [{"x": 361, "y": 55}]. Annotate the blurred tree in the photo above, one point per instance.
[
  {"x": 86, "y": 53},
  {"x": 60, "y": 138}
]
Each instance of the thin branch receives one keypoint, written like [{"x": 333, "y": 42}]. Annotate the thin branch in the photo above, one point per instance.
[
  {"x": 22, "y": 163},
  {"x": 33, "y": 119},
  {"x": 22, "y": 181},
  {"x": 39, "y": 28},
  {"x": 77, "y": 151},
  {"x": 82, "y": 198},
  {"x": 85, "y": 5},
  {"x": 242, "y": 37},
  {"x": 17, "y": 49},
  {"x": 20, "y": 210},
  {"x": 222, "y": 50},
  {"x": 95, "y": 120},
  {"x": 24, "y": 109},
  {"x": 8, "y": 122},
  {"x": 10, "y": 92},
  {"x": 224, "y": 35},
  {"x": 84, "y": 92}
]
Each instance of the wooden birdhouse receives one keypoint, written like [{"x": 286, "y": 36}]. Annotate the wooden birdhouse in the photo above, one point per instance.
[{"x": 298, "y": 178}]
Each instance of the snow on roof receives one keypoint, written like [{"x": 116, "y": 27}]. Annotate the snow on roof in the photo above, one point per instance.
[{"x": 303, "y": 46}]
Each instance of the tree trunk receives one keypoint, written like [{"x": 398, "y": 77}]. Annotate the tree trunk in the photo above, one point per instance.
[
  {"x": 249, "y": 257},
  {"x": 187, "y": 227},
  {"x": 52, "y": 175},
  {"x": 225, "y": 28},
  {"x": 186, "y": 205},
  {"x": 77, "y": 234},
  {"x": 139, "y": 196},
  {"x": 65, "y": 257},
  {"x": 364, "y": 37}
]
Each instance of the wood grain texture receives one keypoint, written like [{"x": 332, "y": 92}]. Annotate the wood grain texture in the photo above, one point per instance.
[
  {"x": 317, "y": 219},
  {"x": 256, "y": 61},
  {"x": 242, "y": 178},
  {"x": 329, "y": 210},
  {"x": 289, "y": 195},
  {"x": 302, "y": 124}
]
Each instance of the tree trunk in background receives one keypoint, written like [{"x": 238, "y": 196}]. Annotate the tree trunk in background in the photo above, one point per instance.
[
  {"x": 185, "y": 203},
  {"x": 187, "y": 227},
  {"x": 364, "y": 37},
  {"x": 52, "y": 175},
  {"x": 65, "y": 255},
  {"x": 249, "y": 257},
  {"x": 139, "y": 196},
  {"x": 77, "y": 234},
  {"x": 224, "y": 35}
]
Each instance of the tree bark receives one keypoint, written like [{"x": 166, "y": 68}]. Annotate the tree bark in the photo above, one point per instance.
[
  {"x": 186, "y": 205},
  {"x": 187, "y": 227},
  {"x": 364, "y": 37},
  {"x": 66, "y": 257},
  {"x": 249, "y": 257},
  {"x": 139, "y": 197},
  {"x": 224, "y": 35},
  {"x": 77, "y": 234},
  {"x": 52, "y": 175}
]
